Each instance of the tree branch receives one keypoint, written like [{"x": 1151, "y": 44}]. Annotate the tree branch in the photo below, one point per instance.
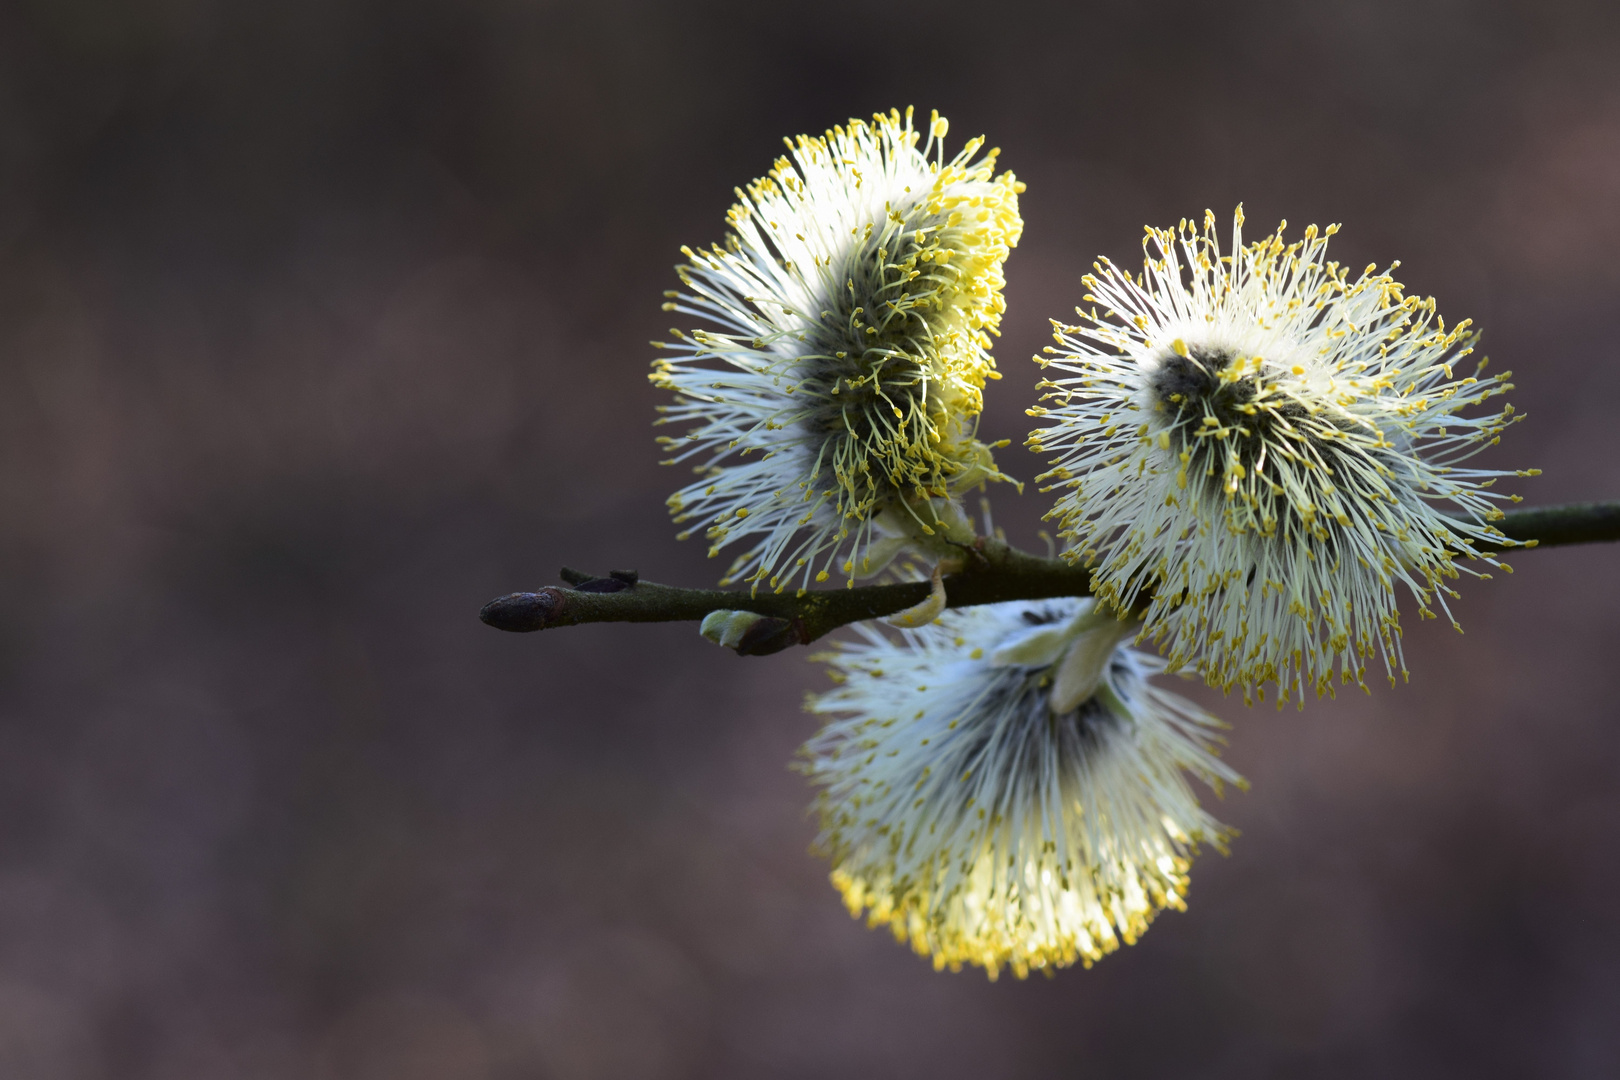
[
  {"x": 1572, "y": 523},
  {"x": 995, "y": 571}
]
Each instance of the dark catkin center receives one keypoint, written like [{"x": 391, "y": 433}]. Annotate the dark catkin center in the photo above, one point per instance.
[
  {"x": 1019, "y": 697},
  {"x": 1013, "y": 746},
  {"x": 1090, "y": 721},
  {"x": 869, "y": 360},
  {"x": 1188, "y": 389}
]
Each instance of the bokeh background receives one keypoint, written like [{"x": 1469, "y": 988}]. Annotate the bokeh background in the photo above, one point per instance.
[{"x": 324, "y": 321}]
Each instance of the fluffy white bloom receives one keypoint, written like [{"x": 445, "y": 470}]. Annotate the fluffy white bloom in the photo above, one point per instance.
[
  {"x": 1268, "y": 446},
  {"x": 836, "y": 397},
  {"x": 1006, "y": 788}
]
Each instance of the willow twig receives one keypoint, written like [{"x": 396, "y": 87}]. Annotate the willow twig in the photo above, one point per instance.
[
  {"x": 995, "y": 571},
  {"x": 1572, "y": 523}
]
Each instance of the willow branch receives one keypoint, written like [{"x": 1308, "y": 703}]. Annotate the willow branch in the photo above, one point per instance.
[
  {"x": 994, "y": 572},
  {"x": 1556, "y": 526}
]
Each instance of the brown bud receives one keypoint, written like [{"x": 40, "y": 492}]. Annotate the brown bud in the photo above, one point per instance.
[
  {"x": 522, "y": 612},
  {"x": 769, "y": 635}
]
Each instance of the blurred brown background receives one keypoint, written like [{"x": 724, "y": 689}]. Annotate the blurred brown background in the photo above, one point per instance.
[{"x": 323, "y": 322}]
